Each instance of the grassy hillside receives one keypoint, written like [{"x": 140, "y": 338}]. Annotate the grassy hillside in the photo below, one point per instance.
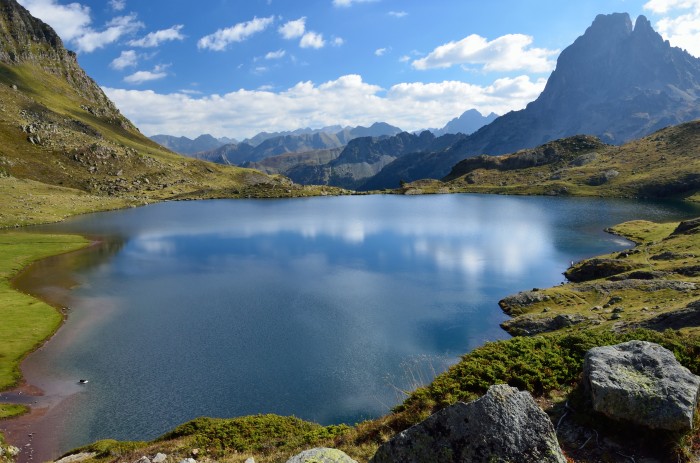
[
  {"x": 665, "y": 164},
  {"x": 50, "y": 134}
]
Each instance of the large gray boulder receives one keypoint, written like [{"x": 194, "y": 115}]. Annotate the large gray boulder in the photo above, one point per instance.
[
  {"x": 643, "y": 383},
  {"x": 504, "y": 425},
  {"x": 321, "y": 455}
]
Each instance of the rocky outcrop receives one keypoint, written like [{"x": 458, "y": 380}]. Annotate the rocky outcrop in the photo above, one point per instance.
[
  {"x": 517, "y": 302},
  {"x": 675, "y": 320},
  {"x": 642, "y": 383},
  {"x": 503, "y": 425},
  {"x": 321, "y": 455},
  {"x": 687, "y": 227},
  {"x": 593, "y": 269},
  {"x": 530, "y": 325},
  {"x": 26, "y": 39}
]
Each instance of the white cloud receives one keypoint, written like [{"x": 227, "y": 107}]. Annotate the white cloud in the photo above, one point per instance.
[
  {"x": 312, "y": 40},
  {"x": 337, "y": 41},
  {"x": 69, "y": 21},
  {"x": 680, "y": 24},
  {"x": 398, "y": 14},
  {"x": 347, "y": 100},
  {"x": 347, "y": 3},
  {"x": 116, "y": 28},
  {"x": 404, "y": 59},
  {"x": 219, "y": 40},
  {"x": 275, "y": 54},
  {"x": 128, "y": 58},
  {"x": 140, "y": 77},
  {"x": 293, "y": 29},
  {"x": 153, "y": 39},
  {"x": 380, "y": 51},
  {"x": 117, "y": 5},
  {"x": 664, "y": 6},
  {"x": 72, "y": 23},
  {"x": 506, "y": 53}
]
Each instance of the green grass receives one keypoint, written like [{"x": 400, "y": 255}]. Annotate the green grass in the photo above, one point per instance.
[
  {"x": 662, "y": 165},
  {"x": 26, "y": 321},
  {"x": 12, "y": 410}
]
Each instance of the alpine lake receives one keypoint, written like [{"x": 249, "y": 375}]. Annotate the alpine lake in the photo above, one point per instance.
[{"x": 323, "y": 308}]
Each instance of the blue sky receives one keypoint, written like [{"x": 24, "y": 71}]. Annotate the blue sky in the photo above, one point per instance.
[{"x": 235, "y": 68}]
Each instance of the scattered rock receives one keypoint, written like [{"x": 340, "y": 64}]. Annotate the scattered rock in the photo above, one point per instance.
[
  {"x": 643, "y": 383},
  {"x": 603, "y": 177},
  {"x": 530, "y": 325},
  {"x": 668, "y": 255},
  {"x": 77, "y": 457},
  {"x": 689, "y": 316},
  {"x": 687, "y": 227},
  {"x": 514, "y": 303},
  {"x": 593, "y": 269},
  {"x": 503, "y": 425},
  {"x": 640, "y": 275},
  {"x": 143, "y": 459},
  {"x": 159, "y": 458},
  {"x": 250, "y": 460},
  {"x": 640, "y": 285},
  {"x": 188, "y": 460},
  {"x": 321, "y": 455}
]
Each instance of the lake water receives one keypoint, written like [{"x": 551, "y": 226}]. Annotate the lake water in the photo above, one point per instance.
[{"x": 323, "y": 308}]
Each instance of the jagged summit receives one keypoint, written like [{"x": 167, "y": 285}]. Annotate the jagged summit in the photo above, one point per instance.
[{"x": 21, "y": 31}]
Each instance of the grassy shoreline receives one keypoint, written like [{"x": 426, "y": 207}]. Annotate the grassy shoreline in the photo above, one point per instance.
[{"x": 27, "y": 321}]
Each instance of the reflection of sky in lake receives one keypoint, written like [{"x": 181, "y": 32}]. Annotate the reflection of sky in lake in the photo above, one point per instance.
[{"x": 319, "y": 307}]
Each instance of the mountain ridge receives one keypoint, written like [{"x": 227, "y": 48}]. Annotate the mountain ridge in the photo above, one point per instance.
[{"x": 616, "y": 82}]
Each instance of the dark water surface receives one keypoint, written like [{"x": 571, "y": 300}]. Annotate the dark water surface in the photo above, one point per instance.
[{"x": 321, "y": 308}]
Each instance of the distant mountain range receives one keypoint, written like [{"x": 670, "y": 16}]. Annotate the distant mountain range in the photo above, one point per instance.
[
  {"x": 468, "y": 123},
  {"x": 184, "y": 145},
  {"x": 616, "y": 82},
  {"x": 242, "y": 153},
  {"x": 267, "y": 144}
]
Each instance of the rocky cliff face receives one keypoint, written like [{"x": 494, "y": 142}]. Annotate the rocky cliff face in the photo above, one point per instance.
[
  {"x": 616, "y": 82},
  {"x": 25, "y": 39}
]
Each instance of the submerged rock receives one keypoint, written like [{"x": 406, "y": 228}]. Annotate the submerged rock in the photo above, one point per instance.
[
  {"x": 643, "y": 383},
  {"x": 321, "y": 455},
  {"x": 502, "y": 426}
]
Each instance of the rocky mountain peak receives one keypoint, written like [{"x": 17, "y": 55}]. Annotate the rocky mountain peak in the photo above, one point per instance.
[
  {"x": 610, "y": 26},
  {"x": 26, "y": 40},
  {"x": 23, "y": 35}
]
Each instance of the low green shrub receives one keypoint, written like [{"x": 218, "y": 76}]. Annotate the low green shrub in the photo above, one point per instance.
[{"x": 256, "y": 434}]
